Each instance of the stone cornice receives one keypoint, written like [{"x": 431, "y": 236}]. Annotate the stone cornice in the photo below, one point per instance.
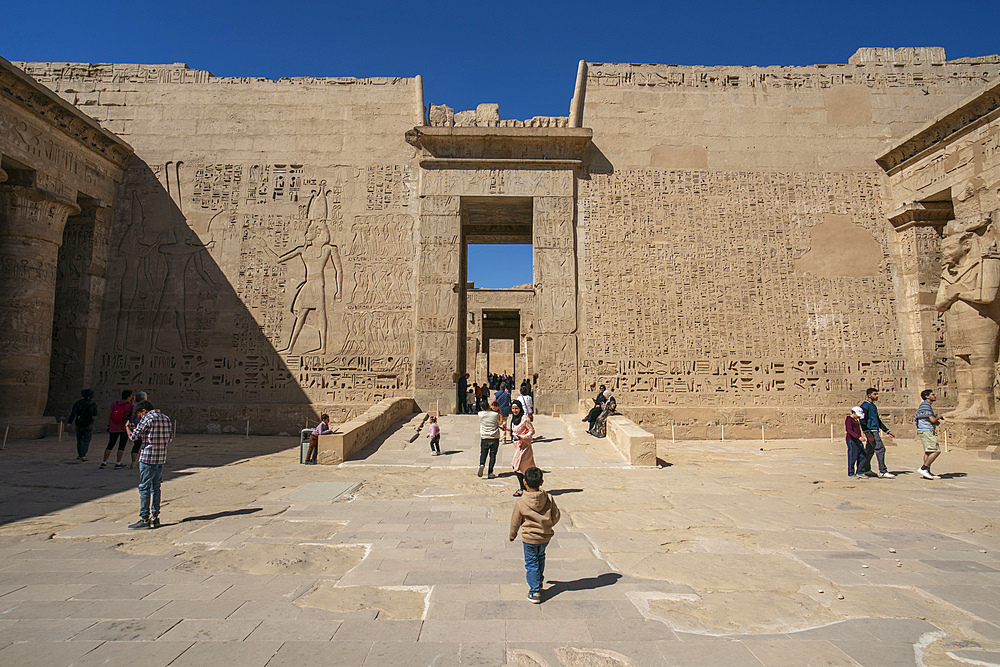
[
  {"x": 41, "y": 102},
  {"x": 967, "y": 115},
  {"x": 501, "y": 147}
]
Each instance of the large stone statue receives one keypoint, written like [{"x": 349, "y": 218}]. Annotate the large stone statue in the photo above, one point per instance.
[{"x": 970, "y": 285}]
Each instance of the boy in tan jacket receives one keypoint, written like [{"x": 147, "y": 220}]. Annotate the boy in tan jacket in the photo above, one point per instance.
[{"x": 535, "y": 513}]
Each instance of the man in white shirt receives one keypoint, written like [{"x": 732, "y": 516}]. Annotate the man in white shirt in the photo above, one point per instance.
[{"x": 489, "y": 433}]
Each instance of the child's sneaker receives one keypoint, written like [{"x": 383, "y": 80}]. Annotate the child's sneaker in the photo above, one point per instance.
[
  {"x": 535, "y": 597},
  {"x": 119, "y": 466}
]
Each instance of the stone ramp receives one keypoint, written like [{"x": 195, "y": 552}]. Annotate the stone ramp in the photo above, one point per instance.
[{"x": 556, "y": 445}]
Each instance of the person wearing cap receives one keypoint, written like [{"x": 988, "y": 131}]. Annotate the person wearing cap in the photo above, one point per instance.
[{"x": 855, "y": 450}]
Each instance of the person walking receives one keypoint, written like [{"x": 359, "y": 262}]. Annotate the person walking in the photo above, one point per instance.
[
  {"x": 927, "y": 423},
  {"x": 852, "y": 427},
  {"x": 121, "y": 412},
  {"x": 489, "y": 438},
  {"x": 156, "y": 430},
  {"x": 535, "y": 514},
  {"x": 502, "y": 399},
  {"x": 872, "y": 426},
  {"x": 522, "y": 431},
  {"x": 83, "y": 414},
  {"x": 463, "y": 390},
  {"x": 434, "y": 433}
]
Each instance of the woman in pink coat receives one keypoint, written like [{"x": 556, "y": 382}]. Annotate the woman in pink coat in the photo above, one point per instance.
[{"x": 522, "y": 431}]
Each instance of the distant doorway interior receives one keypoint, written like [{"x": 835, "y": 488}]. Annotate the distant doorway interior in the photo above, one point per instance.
[
  {"x": 502, "y": 228},
  {"x": 501, "y": 340}
]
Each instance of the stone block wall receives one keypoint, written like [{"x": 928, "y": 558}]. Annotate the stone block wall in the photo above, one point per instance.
[
  {"x": 262, "y": 257},
  {"x": 736, "y": 262}
]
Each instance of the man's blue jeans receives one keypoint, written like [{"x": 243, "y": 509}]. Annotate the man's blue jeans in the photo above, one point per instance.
[
  {"x": 534, "y": 565},
  {"x": 150, "y": 476},
  {"x": 83, "y": 436}
]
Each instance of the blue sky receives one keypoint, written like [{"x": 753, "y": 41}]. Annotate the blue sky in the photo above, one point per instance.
[{"x": 522, "y": 55}]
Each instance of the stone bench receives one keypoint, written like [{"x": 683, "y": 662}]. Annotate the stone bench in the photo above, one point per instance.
[
  {"x": 356, "y": 434},
  {"x": 637, "y": 445}
]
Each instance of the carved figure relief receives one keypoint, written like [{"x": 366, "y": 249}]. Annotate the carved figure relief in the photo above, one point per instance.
[
  {"x": 317, "y": 254},
  {"x": 968, "y": 293}
]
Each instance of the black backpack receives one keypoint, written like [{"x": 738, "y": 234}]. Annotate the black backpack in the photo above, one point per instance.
[{"x": 85, "y": 414}]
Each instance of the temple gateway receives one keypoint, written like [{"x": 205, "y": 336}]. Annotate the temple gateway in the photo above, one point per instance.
[{"x": 741, "y": 246}]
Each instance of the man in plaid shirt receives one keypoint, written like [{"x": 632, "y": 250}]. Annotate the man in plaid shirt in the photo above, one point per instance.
[{"x": 156, "y": 430}]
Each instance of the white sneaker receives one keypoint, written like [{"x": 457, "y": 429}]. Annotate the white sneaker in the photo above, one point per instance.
[
  {"x": 886, "y": 474},
  {"x": 925, "y": 473},
  {"x": 933, "y": 476}
]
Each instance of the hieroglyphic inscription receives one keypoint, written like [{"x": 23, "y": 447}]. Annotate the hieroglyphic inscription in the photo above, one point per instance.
[
  {"x": 389, "y": 187},
  {"x": 693, "y": 296},
  {"x": 312, "y": 299},
  {"x": 796, "y": 78}
]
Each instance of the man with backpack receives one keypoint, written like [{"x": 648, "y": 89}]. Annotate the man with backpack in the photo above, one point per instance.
[
  {"x": 156, "y": 430},
  {"x": 121, "y": 411},
  {"x": 84, "y": 413}
]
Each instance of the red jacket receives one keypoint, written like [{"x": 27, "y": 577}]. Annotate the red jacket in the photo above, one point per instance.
[{"x": 853, "y": 428}]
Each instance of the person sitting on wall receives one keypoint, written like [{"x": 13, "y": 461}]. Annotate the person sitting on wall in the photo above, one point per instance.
[
  {"x": 600, "y": 428},
  {"x": 595, "y": 411}
]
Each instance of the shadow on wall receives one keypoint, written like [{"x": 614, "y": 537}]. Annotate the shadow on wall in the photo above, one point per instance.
[{"x": 194, "y": 306}]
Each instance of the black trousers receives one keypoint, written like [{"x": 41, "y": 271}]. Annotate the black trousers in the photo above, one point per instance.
[{"x": 488, "y": 446}]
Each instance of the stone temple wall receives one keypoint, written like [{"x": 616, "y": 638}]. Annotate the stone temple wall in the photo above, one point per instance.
[
  {"x": 713, "y": 243},
  {"x": 736, "y": 264},
  {"x": 262, "y": 261}
]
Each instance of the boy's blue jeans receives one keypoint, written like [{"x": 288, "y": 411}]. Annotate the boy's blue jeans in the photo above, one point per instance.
[{"x": 534, "y": 565}]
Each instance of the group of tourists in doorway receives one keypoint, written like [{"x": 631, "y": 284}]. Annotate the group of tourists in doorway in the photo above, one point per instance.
[
  {"x": 475, "y": 397},
  {"x": 864, "y": 429}
]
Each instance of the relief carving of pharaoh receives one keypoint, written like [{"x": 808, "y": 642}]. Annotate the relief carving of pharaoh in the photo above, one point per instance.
[{"x": 968, "y": 294}]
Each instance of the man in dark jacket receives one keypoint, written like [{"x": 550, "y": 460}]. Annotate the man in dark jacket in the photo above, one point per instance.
[
  {"x": 84, "y": 413},
  {"x": 872, "y": 426}
]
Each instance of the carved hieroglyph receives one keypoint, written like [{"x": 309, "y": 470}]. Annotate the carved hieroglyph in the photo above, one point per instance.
[{"x": 693, "y": 295}]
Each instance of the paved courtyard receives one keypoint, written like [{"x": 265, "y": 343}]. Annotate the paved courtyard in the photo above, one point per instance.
[{"x": 730, "y": 553}]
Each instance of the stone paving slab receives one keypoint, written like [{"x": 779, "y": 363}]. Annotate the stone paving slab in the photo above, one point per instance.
[{"x": 641, "y": 559}]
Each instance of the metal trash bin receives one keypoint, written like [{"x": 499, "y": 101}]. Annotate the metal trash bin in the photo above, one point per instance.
[{"x": 304, "y": 444}]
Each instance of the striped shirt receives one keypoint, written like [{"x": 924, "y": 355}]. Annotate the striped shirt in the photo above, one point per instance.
[{"x": 156, "y": 430}]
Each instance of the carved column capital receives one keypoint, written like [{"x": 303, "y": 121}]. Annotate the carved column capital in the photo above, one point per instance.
[
  {"x": 33, "y": 213},
  {"x": 922, "y": 214}
]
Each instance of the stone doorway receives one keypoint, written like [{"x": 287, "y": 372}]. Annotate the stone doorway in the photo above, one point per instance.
[{"x": 479, "y": 184}]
